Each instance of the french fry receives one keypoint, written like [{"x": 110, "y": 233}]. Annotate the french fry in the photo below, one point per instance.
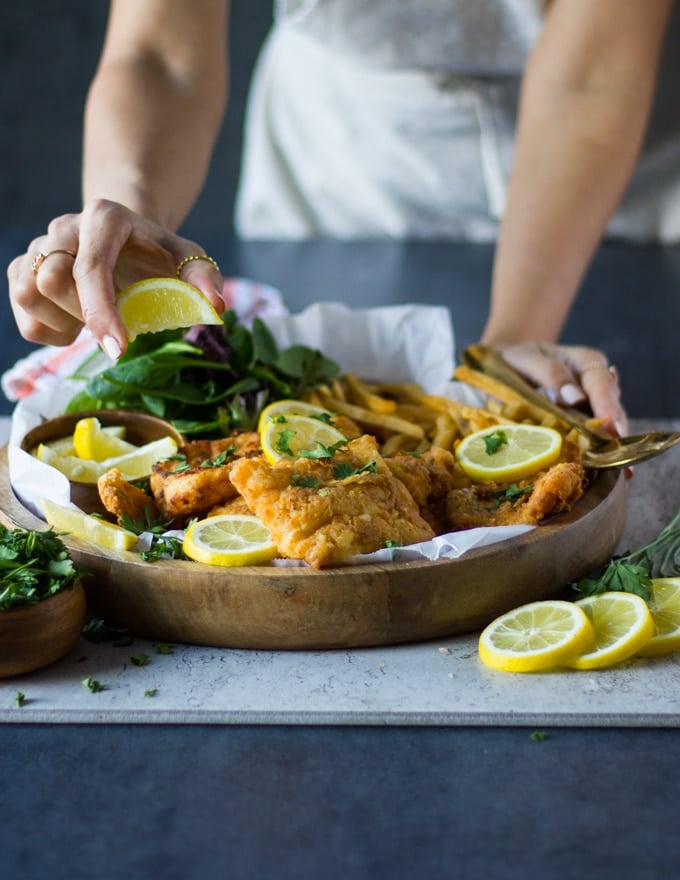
[
  {"x": 359, "y": 392},
  {"x": 410, "y": 391},
  {"x": 446, "y": 431},
  {"x": 383, "y": 421}
]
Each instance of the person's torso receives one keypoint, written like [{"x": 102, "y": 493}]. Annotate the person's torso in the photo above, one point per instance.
[{"x": 467, "y": 37}]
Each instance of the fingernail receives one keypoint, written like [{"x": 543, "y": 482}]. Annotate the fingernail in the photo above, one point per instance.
[
  {"x": 571, "y": 394},
  {"x": 621, "y": 428},
  {"x": 112, "y": 347}
]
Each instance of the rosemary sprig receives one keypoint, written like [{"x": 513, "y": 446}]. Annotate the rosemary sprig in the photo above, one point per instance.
[{"x": 632, "y": 572}]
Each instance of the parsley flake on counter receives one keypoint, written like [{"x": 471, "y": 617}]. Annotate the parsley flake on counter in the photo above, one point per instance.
[
  {"x": 151, "y": 692},
  {"x": 139, "y": 660},
  {"x": 92, "y": 685},
  {"x": 163, "y": 648},
  {"x": 19, "y": 699}
]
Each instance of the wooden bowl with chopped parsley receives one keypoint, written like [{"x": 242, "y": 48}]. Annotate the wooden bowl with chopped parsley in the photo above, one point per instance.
[{"x": 42, "y": 600}]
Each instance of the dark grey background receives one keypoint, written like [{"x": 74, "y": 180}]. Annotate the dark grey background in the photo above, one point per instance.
[{"x": 49, "y": 51}]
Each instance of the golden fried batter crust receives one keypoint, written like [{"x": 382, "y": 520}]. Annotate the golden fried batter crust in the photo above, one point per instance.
[
  {"x": 122, "y": 499},
  {"x": 186, "y": 485},
  {"x": 552, "y": 491},
  {"x": 313, "y": 514}
]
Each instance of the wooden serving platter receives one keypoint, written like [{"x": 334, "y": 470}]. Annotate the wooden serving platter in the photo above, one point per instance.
[{"x": 268, "y": 607}]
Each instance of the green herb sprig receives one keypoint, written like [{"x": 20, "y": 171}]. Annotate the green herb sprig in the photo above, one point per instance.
[{"x": 632, "y": 572}]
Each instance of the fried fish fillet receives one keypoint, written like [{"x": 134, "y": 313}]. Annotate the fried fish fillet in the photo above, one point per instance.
[
  {"x": 198, "y": 477},
  {"x": 327, "y": 510},
  {"x": 529, "y": 501},
  {"x": 122, "y": 499},
  {"x": 429, "y": 478}
]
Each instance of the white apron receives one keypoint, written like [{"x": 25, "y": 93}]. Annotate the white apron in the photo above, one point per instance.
[{"x": 373, "y": 118}]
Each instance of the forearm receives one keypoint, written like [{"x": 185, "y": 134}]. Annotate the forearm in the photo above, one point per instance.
[
  {"x": 151, "y": 121},
  {"x": 578, "y": 139}
]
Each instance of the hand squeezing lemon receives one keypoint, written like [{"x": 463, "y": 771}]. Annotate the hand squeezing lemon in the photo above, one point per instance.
[{"x": 156, "y": 304}]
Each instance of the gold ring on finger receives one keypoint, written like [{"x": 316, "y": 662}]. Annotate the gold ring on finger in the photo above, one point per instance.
[
  {"x": 40, "y": 258},
  {"x": 191, "y": 259}
]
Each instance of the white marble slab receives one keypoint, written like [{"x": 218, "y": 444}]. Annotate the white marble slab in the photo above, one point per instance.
[{"x": 436, "y": 683}]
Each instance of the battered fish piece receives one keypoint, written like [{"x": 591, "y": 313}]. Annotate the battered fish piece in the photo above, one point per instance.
[
  {"x": 198, "y": 477},
  {"x": 122, "y": 499},
  {"x": 495, "y": 504},
  {"x": 429, "y": 478},
  {"x": 327, "y": 510}
]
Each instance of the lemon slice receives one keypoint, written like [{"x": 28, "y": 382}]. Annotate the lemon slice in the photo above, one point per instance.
[
  {"x": 231, "y": 539},
  {"x": 664, "y": 606},
  {"x": 282, "y": 409},
  {"x": 536, "y": 636},
  {"x": 508, "y": 452},
  {"x": 86, "y": 527},
  {"x": 295, "y": 436},
  {"x": 163, "y": 304},
  {"x": 623, "y": 624},
  {"x": 92, "y": 442}
]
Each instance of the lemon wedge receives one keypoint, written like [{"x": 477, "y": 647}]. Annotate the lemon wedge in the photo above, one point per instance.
[
  {"x": 508, "y": 452},
  {"x": 622, "y": 623},
  {"x": 664, "y": 605},
  {"x": 88, "y": 528},
  {"x": 156, "y": 304},
  {"x": 295, "y": 435},
  {"x": 78, "y": 470},
  {"x": 536, "y": 636},
  {"x": 139, "y": 463},
  {"x": 132, "y": 465},
  {"x": 282, "y": 409},
  {"x": 92, "y": 442},
  {"x": 231, "y": 539}
]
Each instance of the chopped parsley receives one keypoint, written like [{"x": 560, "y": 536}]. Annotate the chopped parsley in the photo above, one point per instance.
[
  {"x": 512, "y": 493},
  {"x": 494, "y": 441},
  {"x": 220, "y": 459},
  {"x": 93, "y": 685},
  {"x": 343, "y": 471},
  {"x": 33, "y": 567},
  {"x": 306, "y": 482}
]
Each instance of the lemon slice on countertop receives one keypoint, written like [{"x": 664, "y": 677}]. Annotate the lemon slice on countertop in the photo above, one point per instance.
[
  {"x": 92, "y": 442},
  {"x": 86, "y": 527},
  {"x": 536, "y": 636},
  {"x": 156, "y": 304},
  {"x": 664, "y": 605},
  {"x": 231, "y": 539},
  {"x": 295, "y": 436},
  {"x": 622, "y": 623},
  {"x": 283, "y": 409},
  {"x": 508, "y": 452}
]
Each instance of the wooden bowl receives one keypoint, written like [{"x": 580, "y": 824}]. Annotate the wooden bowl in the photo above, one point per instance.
[
  {"x": 269, "y": 607},
  {"x": 140, "y": 428},
  {"x": 34, "y": 636}
]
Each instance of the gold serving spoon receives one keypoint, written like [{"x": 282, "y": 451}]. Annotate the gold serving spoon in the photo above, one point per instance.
[{"x": 603, "y": 452}]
